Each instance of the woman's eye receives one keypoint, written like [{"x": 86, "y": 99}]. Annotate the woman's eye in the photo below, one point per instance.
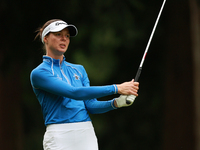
[
  {"x": 58, "y": 34},
  {"x": 68, "y": 36},
  {"x": 61, "y": 35}
]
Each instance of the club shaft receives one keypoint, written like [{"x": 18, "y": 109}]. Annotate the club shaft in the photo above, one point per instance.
[
  {"x": 149, "y": 42},
  {"x": 129, "y": 98},
  {"x": 152, "y": 33}
]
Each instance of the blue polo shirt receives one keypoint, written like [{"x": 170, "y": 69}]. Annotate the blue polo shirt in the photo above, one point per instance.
[{"x": 64, "y": 92}]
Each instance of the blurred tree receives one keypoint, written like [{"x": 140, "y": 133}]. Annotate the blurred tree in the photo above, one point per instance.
[
  {"x": 195, "y": 37},
  {"x": 11, "y": 123},
  {"x": 182, "y": 74}
]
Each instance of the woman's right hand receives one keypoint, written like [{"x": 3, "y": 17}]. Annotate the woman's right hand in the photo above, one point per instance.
[{"x": 128, "y": 88}]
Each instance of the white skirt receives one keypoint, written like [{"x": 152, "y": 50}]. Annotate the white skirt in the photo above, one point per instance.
[{"x": 70, "y": 136}]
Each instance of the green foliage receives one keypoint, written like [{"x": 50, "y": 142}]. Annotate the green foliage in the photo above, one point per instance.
[{"x": 107, "y": 28}]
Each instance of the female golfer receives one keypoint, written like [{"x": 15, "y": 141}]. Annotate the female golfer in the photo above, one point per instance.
[{"x": 65, "y": 95}]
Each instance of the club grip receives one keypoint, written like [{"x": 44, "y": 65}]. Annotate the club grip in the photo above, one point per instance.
[
  {"x": 130, "y": 99},
  {"x": 138, "y": 74}
]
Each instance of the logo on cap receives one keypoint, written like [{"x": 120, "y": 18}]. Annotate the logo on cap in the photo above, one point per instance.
[{"x": 58, "y": 23}]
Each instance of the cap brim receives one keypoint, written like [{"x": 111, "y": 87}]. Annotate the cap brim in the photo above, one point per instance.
[{"x": 72, "y": 29}]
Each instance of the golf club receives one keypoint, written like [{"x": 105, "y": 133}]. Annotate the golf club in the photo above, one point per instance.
[{"x": 131, "y": 98}]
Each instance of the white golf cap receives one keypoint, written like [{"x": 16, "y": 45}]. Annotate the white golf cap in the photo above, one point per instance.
[{"x": 58, "y": 26}]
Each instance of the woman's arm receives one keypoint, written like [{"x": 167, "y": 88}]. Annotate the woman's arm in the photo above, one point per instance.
[
  {"x": 44, "y": 80},
  {"x": 97, "y": 107}
]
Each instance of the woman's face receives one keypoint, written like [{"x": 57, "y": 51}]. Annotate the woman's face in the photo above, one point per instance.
[{"x": 57, "y": 43}]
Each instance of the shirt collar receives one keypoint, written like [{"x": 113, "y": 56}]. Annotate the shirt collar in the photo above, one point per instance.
[{"x": 50, "y": 60}]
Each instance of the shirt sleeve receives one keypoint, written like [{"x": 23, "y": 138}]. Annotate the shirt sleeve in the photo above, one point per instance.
[
  {"x": 94, "y": 106},
  {"x": 97, "y": 107},
  {"x": 44, "y": 80}
]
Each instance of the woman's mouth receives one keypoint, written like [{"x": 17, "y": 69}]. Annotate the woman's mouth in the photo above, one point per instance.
[{"x": 62, "y": 45}]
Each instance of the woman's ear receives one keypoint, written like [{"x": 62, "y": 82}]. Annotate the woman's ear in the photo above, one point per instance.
[{"x": 45, "y": 39}]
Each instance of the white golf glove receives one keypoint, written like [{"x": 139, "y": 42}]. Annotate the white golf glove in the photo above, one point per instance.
[{"x": 122, "y": 100}]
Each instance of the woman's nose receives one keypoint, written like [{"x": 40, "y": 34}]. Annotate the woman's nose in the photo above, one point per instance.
[{"x": 64, "y": 37}]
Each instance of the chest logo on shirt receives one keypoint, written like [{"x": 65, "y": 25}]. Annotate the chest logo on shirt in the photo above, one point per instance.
[
  {"x": 76, "y": 77},
  {"x": 59, "y": 77}
]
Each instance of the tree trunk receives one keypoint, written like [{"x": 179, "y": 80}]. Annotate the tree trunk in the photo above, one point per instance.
[
  {"x": 179, "y": 106},
  {"x": 195, "y": 36},
  {"x": 10, "y": 111}
]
